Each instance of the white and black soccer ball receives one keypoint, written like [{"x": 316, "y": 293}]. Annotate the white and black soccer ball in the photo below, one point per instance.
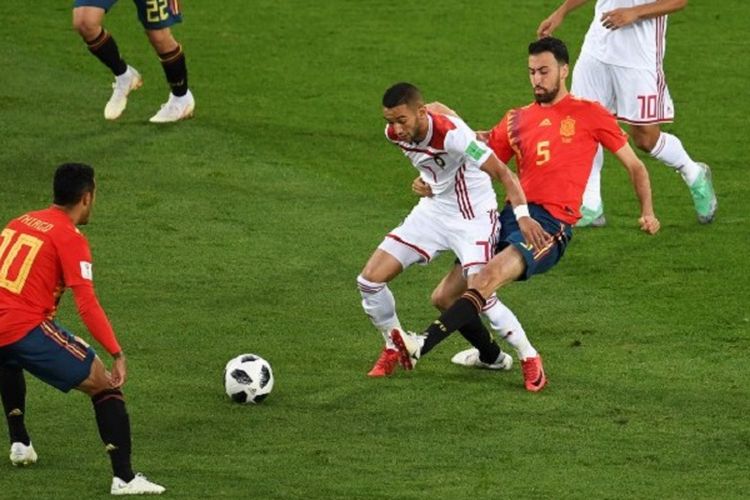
[{"x": 248, "y": 378}]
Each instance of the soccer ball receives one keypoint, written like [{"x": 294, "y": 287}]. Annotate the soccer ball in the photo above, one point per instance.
[{"x": 248, "y": 379}]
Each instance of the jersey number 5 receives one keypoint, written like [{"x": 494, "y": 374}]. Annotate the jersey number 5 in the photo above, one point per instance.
[
  {"x": 542, "y": 152},
  {"x": 23, "y": 250}
]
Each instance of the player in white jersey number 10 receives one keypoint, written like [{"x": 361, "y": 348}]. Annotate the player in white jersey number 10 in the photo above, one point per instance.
[{"x": 621, "y": 66}]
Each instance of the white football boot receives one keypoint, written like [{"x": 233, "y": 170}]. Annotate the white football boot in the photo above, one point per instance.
[
  {"x": 409, "y": 347},
  {"x": 124, "y": 84},
  {"x": 139, "y": 485},
  {"x": 20, "y": 454},
  {"x": 175, "y": 109},
  {"x": 470, "y": 357}
]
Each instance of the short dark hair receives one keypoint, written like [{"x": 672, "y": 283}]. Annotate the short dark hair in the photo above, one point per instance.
[
  {"x": 550, "y": 44},
  {"x": 72, "y": 181},
  {"x": 401, "y": 93}
]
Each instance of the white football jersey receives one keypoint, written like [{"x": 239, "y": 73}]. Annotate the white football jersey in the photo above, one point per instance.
[
  {"x": 638, "y": 45},
  {"x": 449, "y": 160}
]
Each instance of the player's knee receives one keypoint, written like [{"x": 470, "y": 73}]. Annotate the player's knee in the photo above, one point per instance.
[
  {"x": 97, "y": 381},
  {"x": 645, "y": 139},
  {"x": 486, "y": 281},
  {"x": 87, "y": 28},
  {"x": 373, "y": 274},
  {"x": 162, "y": 40},
  {"x": 364, "y": 277},
  {"x": 644, "y": 144}
]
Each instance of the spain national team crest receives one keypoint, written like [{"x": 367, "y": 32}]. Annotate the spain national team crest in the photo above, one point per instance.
[{"x": 567, "y": 129}]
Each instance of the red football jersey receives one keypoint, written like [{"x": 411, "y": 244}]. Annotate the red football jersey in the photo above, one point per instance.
[
  {"x": 41, "y": 254},
  {"x": 554, "y": 147}
]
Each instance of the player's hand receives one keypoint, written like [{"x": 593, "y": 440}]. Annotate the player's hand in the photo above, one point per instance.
[
  {"x": 421, "y": 188},
  {"x": 549, "y": 25},
  {"x": 618, "y": 18},
  {"x": 484, "y": 136},
  {"x": 533, "y": 233},
  {"x": 440, "y": 108},
  {"x": 119, "y": 371},
  {"x": 649, "y": 224}
]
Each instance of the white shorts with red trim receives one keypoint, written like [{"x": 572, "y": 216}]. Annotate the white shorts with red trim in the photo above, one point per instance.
[
  {"x": 428, "y": 231},
  {"x": 636, "y": 96}
]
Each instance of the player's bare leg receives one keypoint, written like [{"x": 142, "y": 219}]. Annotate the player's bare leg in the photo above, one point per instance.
[
  {"x": 181, "y": 103},
  {"x": 13, "y": 392},
  {"x": 505, "y": 267},
  {"x": 114, "y": 428},
  {"x": 380, "y": 306},
  {"x": 87, "y": 21},
  {"x": 668, "y": 149}
]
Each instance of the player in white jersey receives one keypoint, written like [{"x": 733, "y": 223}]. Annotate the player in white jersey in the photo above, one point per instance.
[
  {"x": 460, "y": 216},
  {"x": 621, "y": 66}
]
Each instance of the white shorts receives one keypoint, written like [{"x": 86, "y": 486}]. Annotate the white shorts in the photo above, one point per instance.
[
  {"x": 636, "y": 96},
  {"x": 427, "y": 231}
]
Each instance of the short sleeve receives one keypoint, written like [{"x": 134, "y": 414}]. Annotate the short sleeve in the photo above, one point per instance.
[
  {"x": 606, "y": 130},
  {"x": 463, "y": 141},
  {"x": 499, "y": 142}
]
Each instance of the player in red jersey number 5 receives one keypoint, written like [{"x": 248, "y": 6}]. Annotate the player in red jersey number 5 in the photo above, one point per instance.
[{"x": 553, "y": 141}]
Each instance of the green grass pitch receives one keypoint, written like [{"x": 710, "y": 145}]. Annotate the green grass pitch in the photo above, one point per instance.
[{"x": 243, "y": 230}]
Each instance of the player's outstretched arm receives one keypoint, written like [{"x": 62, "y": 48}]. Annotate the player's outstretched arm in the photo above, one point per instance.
[
  {"x": 531, "y": 230},
  {"x": 640, "y": 179},
  {"x": 619, "y": 18},
  {"x": 98, "y": 324},
  {"x": 549, "y": 25}
]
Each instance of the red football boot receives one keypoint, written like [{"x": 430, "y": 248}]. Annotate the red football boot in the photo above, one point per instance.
[
  {"x": 385, "y": 364},
  {"x": 533, "y": 373}
]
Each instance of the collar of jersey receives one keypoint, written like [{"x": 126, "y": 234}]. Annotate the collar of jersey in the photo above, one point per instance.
[{"x": 428, "y": 137}]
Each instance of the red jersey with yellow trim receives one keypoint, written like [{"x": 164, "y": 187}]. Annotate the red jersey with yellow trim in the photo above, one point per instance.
[
  {"x": 41, "y": 254},
  {"x": 554, "y": 147}
]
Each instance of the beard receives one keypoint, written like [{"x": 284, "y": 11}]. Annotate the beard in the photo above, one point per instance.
[
  {"x": 414, "y": 135},
  {"x": 547, "y": 96}
]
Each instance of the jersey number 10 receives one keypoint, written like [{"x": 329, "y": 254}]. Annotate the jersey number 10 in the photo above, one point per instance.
[
  {"x": 648, "y": 106},
  {"x": 25, "y": 246}
]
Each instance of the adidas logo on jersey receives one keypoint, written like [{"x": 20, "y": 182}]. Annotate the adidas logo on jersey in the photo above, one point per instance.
[{"x": 545, "y": 123}]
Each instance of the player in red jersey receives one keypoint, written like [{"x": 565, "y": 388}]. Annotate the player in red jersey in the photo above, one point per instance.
[
  {"x": 41, "y": 254},
  {"x": 553, "y": 141}
]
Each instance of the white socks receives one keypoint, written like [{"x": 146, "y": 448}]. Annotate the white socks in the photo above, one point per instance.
[
  {"x": 380, "y": 306},
  {"x": 505, "y": 323},
  {"x": 592, "y": 196},
  {"x": 669, "y": 150}
]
